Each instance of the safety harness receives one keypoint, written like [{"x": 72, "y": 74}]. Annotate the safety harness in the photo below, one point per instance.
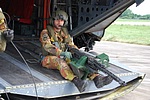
[{"x": 55, "y": 37}]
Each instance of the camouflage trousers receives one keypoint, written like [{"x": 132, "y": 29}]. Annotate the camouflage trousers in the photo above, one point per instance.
[
  {"x": 2, "y": 43},
  {"x": 53, "y": 62}
]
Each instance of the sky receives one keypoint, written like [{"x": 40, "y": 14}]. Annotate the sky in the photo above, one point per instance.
[{"x": 142, "y": 9}]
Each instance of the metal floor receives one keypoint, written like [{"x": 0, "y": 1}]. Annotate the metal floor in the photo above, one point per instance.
[
  {"x": 15, "y": 76},
  {"x": 14, "y": 71}
]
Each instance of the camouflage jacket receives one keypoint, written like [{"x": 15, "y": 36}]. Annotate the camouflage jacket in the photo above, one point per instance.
[
  {"x": 53, "y": 42},
  {"x": 2, "y": 39}
]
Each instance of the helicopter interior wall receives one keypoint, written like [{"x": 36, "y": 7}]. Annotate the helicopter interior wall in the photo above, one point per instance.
[
  {"x": 29, "y": 17},
  {"x": 24, "y": 14},
  {"x": 20, "y": 15}
]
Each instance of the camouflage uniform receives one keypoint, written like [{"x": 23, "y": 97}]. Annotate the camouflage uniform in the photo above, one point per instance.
[
  {"x": 2, "y": 28},
  {"x": 51, "y": 52},
  {"x": 6, "y": 35},
  {"x": 53, "y": 40}
]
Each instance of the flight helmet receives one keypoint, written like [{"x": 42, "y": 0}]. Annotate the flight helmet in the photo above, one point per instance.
[{"x": 59, "y": 14}]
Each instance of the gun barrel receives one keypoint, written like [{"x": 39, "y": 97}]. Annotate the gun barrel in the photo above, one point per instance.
[
  {"x": 92, "y": 61},
  {"x": 103, "y": 69}
]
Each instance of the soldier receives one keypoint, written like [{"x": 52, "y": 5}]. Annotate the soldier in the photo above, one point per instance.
[
  {"x": 6, "y": 35},
  {"x": 53, "y": 40}
]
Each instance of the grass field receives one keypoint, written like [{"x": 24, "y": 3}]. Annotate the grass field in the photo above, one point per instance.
[
  {"x": 131, "y": 20},
  {"x": 136, "y": 34}
]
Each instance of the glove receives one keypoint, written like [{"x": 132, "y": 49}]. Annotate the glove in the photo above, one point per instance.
[
  {"x": 66, "y": 55},
  {"x": 8, "y": 35}
]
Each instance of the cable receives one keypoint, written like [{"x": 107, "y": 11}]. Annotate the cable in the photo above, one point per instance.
[
  {"x": 8, "y": 17},
  {"x": 28, "y": 68},
  {"x": 23, "y": 60},
  {"x": 3, "y": 87},
  {"x": 7, "y": 95}
]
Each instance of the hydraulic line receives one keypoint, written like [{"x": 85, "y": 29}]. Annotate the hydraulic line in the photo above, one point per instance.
[{"x": 27, "y": 67}]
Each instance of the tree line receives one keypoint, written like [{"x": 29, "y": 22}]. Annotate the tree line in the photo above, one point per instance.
[{"x": 128, "y": 14}]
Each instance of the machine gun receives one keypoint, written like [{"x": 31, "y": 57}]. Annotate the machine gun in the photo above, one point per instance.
[{"x": 83, "y": 63}]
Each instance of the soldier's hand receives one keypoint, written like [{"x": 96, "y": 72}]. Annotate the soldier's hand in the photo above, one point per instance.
[
  {"x": 8, "y": 35},
  {"x": 66, "y": 55}
]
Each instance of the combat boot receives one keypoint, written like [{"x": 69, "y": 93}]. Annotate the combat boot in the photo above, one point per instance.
[
  {"x": 101, "y": 80},
  {"x": 80, "y": 84}
]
